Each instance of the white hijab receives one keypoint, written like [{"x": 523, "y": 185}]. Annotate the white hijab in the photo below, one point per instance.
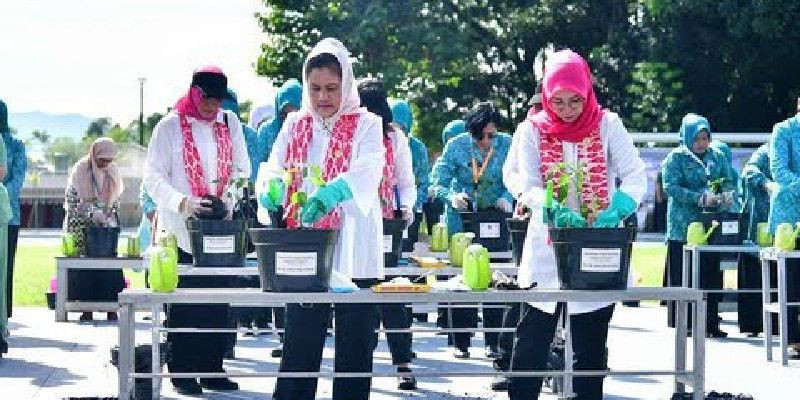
[{"x": 351, "y": 102}]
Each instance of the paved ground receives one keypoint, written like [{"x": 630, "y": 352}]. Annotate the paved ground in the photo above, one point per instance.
[{"x": 50, "y": 360}]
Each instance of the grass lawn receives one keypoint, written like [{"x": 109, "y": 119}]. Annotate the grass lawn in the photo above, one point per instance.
[{"x": 35, "y": 265}]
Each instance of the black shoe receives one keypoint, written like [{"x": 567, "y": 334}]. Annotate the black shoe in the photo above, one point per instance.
[
  {"x": 500, "y": 384},
  {"x": 716, "y": 334},
  {"x": 3, "y": 347},
  {"x": 413, "y": 354},
  {"x": 277, "y": 353},
  {"x": 492, "y": 353},
  {"x": 87, "y": 316},
  {"x": 462, "y": 354},
  {"x": 250, "y": 332},
  {"x": 406, "y": 382},
  {"x": 218, "y": 384},
  {"x": 111, "y": 316},
  {"x": 187, "y": 387}
]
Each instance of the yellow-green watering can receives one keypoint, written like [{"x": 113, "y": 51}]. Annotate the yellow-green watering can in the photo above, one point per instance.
[
  {"x": 458, "y": 244},
  {"x": 439, "y": 237},
  {"x": 785, "y": 236},
  {"x": 696, "y": 234},
  {"x": 134, "y": 249},
  {"x": 68, "y": 247},
  {"x": 763, "y": 237},
  {"x": 477, "y": 274},
  {"x": 163, "y": 270}
]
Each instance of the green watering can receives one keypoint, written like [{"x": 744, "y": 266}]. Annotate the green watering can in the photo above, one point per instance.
[
  {"x": 133, "y": 247},
  {"x": 458, "y": 244},
  {"x": 68, "y": 245},
  {"x": 476, "y": 268},
  {"x": 170, "y": 241},
  {"x": 763, "y": 237},
  {"x": 163, "y": 270},
  {"x": 696, "y": 234},
  {"x": 785, "y": 236},
  {"x": 439, "y": 237}
]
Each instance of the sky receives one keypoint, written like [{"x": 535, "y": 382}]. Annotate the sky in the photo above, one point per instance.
[{"x": 85, "y": 56}]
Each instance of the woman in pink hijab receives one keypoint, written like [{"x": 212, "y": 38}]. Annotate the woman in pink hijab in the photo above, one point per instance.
[
  {"x": 92, "y": 196},
  {"x": 572, "y": 128}
]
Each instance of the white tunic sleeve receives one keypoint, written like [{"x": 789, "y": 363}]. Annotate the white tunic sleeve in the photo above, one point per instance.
[
  {"x": 511, "y": 170},
  {"x": 624, "y": 160},
  {"x": 404, "y": 174},
  {"x": 529, "y": 179},
  {"x": 366, "y": 162},
  {"x": 158, "y": 167}
]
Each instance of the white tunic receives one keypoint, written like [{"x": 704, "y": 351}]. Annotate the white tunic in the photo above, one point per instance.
[
  {"x": 165, "y": 176},
  {"x": 359, "y": 251},
  {"x": 403, "y": 171},
  {"x": 538, "y": 262}
]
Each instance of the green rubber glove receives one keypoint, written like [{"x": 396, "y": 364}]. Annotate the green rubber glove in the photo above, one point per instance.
[
  {"x": 324, "y": 200},
  {"x": 565, "y": 217},
  {"x": 273, "y": 197},
  {"x": 621, "y": 207}
]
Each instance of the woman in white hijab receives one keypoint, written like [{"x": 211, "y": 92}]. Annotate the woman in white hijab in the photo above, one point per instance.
[{"x": 332, "y": 131}]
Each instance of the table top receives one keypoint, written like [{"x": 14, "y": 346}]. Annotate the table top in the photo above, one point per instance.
[
  {"x": 256, "y": 296},
  {"x": 773, "y": 254},
  {"x": 724, "y": 248}
]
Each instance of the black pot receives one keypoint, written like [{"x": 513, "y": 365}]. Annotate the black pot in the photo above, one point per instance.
[
  {"x": 392, "y": 241},
  {"x": 294, "y": 260},
  {"x": 101, "y": 241},
  {"x": 732, "y": 227},
  {"x": 432, "y": 210},
  {"x": 518, "y": 230},
  {"x": 217, "y": 209},
  {"x": 51, "y": 300},
  {"x": 593, "y": 258},
  {"x": 217, "y": 243},
  {"x": 490, "y": 228}
]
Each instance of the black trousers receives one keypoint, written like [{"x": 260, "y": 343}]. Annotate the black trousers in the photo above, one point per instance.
[
  {"x": 397, "y": 316},
  {"x": 198, "y": 352},
  {"x": 506, "y": 340},
  {"x": 710, "y": 278},
  {"x": 458, "y": 318},
  {"x": 355, "y": 338},
  {"x": 534, "y": 334},
  {"x": 13, "y": 235},
  {"x": 493, "y": 318}
]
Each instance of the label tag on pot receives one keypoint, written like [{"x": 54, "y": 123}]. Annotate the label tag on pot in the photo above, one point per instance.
[
  {"x": 387, "y": 243},
  {"x": 405, "y": 233},
  {"x": 296, "y": 264},
  {"x": 730, "y": 227},
  {"x": 600, "y": 260},
  {"x": 219, "y": 244},
  {"x": 490, "y": 230}
]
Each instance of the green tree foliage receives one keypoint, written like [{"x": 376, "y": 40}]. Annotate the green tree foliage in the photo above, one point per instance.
[
  {"x": 99, "y": 127},
  {"x": 67, "y": 146},
  {"x": 658, "y": 98}
]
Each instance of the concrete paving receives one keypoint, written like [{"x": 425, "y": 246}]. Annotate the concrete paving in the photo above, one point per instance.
[{"x": 50, "y": 360}]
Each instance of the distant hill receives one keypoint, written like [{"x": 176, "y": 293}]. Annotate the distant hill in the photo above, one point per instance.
[{"x": 57, "y": 125}]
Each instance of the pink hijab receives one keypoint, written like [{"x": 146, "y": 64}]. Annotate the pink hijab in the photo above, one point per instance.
[
  {"x": 187, "y": 105},
  {"x": 566, "y": 70},
  {"x": 92, "y": 182}
]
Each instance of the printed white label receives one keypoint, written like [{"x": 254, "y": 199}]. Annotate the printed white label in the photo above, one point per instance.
[
  {"x": 490, "y": 230},
  {"x": 387, "y": 243},
  {"x": 405, "y": 233},
  {"x": 219, "y": 244},
  {"x": 600, "y": 260},
  {"x": 296, "y": 264},
  {"x": 730, "y": 227}
]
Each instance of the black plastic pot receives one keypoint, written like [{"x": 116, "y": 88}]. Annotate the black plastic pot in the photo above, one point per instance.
[
  {"x": 294, "y": 260},
  {"x": 432, "y": 210},
  {"x": 101, "y": 241},
  {"x": 392, "y": 241},
  {"x": 732, "y": 227},
  {"x": 51, "y": 300},
  {"x": 490, "y": 228},
  {"x": 518, "y": 230},
  {"x": 593, "y": 258},
  {"x": 217, "y": 243},
  {"x": 412, "y": 235}
]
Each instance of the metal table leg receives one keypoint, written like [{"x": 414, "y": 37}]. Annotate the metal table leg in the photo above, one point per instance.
[
  {"x": 680, "y": 343},
  {"x": 783, "y": 332},
  {"x": 156, "y": 348},
  {"x": 569, "y": 356},
  {"x": 766, "y": 316},
  {"x": 125, "y": 327},
  {"x": 61, "y": 292},
  {"x": 696, "y": 270},
  {"x": 699, "y": 341}
]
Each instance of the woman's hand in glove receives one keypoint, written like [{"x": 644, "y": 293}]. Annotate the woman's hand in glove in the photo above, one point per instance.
[
  {"x": 459, "y": 201},
  {"x": 503, "y": 205}
]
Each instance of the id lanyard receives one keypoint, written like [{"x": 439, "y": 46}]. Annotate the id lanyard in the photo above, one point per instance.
[{"x": 477, "y": 174}]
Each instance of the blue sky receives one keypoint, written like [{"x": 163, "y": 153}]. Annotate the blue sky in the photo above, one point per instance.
[{"x": 85, "y": 56}]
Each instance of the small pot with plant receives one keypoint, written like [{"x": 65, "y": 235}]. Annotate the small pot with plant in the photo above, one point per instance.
[
  {"x": 587, "y": 258},
  {"x": 214, "y": 240},
  {"x": 484, "y": 220},
  {"x": 732, "y": 225},
  {"x": 293, "y": 256}
]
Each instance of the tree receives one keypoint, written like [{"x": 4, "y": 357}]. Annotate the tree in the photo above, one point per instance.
[
  {"x": 120, "y": 135},
  {"x": 41, "y": 136},
  {"x": 99, "y": 127},
  {"x": 67, "y": 146},
  {"x": 660, "y": 100},
  {"x": 446, "y": 56}
]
